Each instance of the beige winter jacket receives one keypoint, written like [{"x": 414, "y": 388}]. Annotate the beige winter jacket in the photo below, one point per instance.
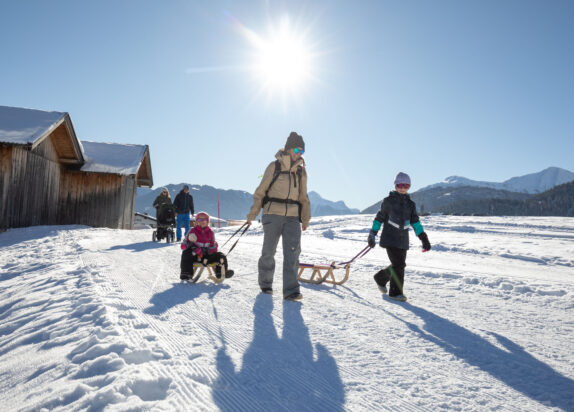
[{"x": 287, "y": 186}]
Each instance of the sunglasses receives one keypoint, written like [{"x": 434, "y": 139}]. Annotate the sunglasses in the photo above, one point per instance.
[
  {"x": 403, "y": 185},
  {"x": 201, "y": 219},
  {"x": 297, "y": 150}
]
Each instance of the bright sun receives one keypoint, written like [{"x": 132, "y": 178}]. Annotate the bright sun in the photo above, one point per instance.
[{"x": 282, "y": 61}]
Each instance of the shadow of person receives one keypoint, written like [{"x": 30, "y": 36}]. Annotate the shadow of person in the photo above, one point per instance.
[
  {"x": 142, "y": 246},
  {"x": 279, "y": 373},
  {"x": 512, "y": 365},
  {"x": 180, "y": 293}
]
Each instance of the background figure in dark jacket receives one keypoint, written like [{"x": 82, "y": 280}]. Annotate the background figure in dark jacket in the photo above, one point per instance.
[
  {"x": 163, "y": 199},
  {"x": 397, "y": 213},
  {"x": 183, "y": 204}
]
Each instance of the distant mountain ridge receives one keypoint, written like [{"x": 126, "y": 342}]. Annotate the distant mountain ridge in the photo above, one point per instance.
[
  {"x": 233, "y": 204},
  {"x": 459, "y": 195},
  {"x": 324, "y": 207},
  {"x": 531, "y": 183}
]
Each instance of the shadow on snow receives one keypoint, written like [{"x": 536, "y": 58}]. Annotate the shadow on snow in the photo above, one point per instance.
[
  {"x": 141, "y": 246},
  {"x": 513, "y": 366},
  {"x": 180, "y": 293},
  {"x": 279, "y": 373}
]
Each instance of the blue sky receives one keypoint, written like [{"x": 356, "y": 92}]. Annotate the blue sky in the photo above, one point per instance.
[{"x": 481, "y": 89}]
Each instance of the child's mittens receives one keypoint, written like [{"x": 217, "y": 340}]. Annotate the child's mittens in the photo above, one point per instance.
[
  {"x": 372, "y": 240},
  {"x": 198, "y": 252},
  {"x": 183, "y": 246},
  {"x": 425, "y": 240}
]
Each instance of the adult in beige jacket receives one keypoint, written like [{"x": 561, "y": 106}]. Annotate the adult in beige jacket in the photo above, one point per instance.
[{"x": 282, "y": 194}]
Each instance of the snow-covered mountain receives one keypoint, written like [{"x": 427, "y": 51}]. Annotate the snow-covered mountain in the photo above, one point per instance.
[
  {"x": 324, "y": 207},
  {"x": 531, "y": 183},
  {"x": 459, "y": 195},
  {"x": 96, "y": 319},
  {"x": 233, "y": 204}
]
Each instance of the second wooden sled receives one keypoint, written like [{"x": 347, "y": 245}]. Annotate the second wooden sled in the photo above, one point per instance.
[
  {"x": 198, "y": 269},
  {"x": 323, "y": 273}
]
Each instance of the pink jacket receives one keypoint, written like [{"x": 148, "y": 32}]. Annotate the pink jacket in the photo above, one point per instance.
[{"x": 202, "y": 240}]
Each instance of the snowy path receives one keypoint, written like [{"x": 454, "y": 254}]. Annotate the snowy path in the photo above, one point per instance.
[{"x": 96, "y": 319}]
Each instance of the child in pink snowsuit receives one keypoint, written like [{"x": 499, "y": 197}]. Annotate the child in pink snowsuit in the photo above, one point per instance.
[{"x": 199, "y": 245}]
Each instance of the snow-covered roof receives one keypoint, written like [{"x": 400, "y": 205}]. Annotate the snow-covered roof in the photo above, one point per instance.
[
  {"x": 121, "y": 159},
  {"x": 30, "y": 127},
  {"x": 26, "y": 126}
]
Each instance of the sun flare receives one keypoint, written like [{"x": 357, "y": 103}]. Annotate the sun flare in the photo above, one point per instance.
[{"x": 282, "y": 60}]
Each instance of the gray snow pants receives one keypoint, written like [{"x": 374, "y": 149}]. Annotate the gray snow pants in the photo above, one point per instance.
[{"x": 274, "y": 227}]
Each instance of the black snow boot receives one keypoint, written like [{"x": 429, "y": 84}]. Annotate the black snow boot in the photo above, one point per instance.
[{"x": 382, "y": 277}]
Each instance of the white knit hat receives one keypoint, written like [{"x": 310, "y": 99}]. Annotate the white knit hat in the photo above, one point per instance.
[{"x": 402, "y": 178}]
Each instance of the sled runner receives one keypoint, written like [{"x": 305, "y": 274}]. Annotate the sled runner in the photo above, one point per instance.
[
  {"x": 325, "y": 273},
  {"x": 198, "y": 269}
]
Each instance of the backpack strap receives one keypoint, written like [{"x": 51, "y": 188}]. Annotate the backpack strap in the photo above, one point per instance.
[{"x": 276, "y": 174}]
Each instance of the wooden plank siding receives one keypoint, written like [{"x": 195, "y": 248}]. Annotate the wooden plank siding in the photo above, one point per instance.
[
  {"x": 36, "y": 190},
  {"x": 97, "y": 199},
  {"x": 30, "y": 186}
]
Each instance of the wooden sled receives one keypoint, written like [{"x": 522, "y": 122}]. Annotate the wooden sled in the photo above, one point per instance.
[
  {"x": 323, "y": 273},
  {"x": 198, "y": 269}
]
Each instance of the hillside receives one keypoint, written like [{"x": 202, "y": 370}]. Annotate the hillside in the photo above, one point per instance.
[
  {"x": 531, "y": 183},
  {"x": 468, "y": 200},
  {"x": 558, "y": 201},
  {"x": 454, "y": 200},
  {"x": 96, "y": 319},
  {"x": 324, "y": 207},
  {"x": 233, "y": 204}
]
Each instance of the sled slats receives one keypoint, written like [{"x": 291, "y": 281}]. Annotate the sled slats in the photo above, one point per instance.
[
  {"x": 198, "y": 270},
  {"x": 323, "y": 273}
]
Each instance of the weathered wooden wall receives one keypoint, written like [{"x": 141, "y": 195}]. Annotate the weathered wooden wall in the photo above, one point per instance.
[
  {"x": 29, "y": 185},
  {"x": 36, "y": 189},
  {"x": 96, "y": 199}
]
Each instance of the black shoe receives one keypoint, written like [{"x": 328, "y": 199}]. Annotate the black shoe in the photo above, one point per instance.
[
  {"x": 268, "y": 291},
  {"x": 229, "y": 273},
  {"x": 184, "y": 276},
  {"x": 295, "y": 297}
]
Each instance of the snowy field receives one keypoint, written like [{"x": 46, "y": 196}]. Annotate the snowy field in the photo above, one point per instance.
[{"x": 97, "y": 319}]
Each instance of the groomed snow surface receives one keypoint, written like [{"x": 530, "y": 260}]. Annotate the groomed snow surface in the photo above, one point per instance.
[{"x": 97, "y": 319}]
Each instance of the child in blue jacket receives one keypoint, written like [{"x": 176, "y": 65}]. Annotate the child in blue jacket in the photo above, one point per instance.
[{"x": 397, "y": 213}]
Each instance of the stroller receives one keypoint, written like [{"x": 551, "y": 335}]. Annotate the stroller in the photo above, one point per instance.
[{"x": 165, "y": 224}]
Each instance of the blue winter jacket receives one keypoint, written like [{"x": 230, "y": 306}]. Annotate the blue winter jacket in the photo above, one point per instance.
[{"x": 397, "y": 213}]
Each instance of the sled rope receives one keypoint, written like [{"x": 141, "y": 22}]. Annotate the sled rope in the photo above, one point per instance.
[
  {"x": 357, "y": 256},
  {"x": 246, "y": 226}
]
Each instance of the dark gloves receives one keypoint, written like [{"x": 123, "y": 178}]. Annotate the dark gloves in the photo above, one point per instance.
[
  {"x": 372, "y": 238},
  {"x": 425, "y": 239}
]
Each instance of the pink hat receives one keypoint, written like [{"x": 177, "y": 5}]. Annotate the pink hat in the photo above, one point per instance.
[{"x": 202, "y": 215}]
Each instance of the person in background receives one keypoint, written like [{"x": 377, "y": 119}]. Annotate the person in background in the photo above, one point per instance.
[
  {"x": 183, "y": 207},
  {"x": 162, "y": 199},
  {"x": 199, "y": 245},
  {"x": 397, "y": 213},
  {"x": 282, "y": 194}
]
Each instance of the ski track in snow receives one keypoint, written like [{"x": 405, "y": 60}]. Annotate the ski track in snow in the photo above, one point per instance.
[{"x": 97, "y": 319}]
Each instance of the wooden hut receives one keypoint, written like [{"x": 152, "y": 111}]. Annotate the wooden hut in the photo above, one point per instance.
[{"x": 49, "y": 177}]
